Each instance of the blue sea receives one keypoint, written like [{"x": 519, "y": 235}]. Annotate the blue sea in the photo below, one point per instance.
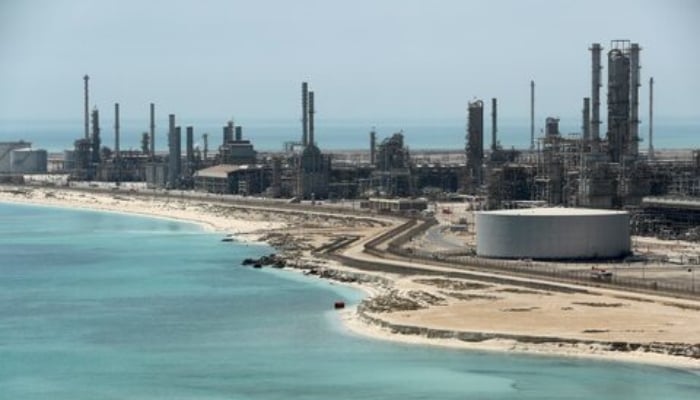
[
  {"x": 107, "y": 306},
  {"x": 331, "y": 134}
]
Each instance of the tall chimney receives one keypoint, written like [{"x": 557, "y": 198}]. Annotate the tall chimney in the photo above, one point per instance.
[
  {"x": 494, "y": 140},
  {"x": 304, "y": 114},
  {"x": 532, "y": 115},
  {"x": 87, "y": 117},
  {"x": 586, "y": 119},
  {"x": 173, "y": 154},
  {"x": 95, "y": 140},
  {"x": 633, "y": 140},
  {"x": 153, "y": 130},
  {"x": 190, "y": 146},
  {"x": 651, "y": 118},
  {"x": 311, "y": 140},
  {"x": 205, "y": 139},
  {"x": 116, "y": 130},
  {"x": 596, "y": 69},
  {"x": 372, "y": 147}
]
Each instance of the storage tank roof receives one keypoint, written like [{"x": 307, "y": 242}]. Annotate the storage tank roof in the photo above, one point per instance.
[{"x": 553, "y": 211}]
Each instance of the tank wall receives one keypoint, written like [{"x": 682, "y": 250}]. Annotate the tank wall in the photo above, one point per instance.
[
  {"x": 28, "y": 162},
  {"x": 552, "y": 237}
]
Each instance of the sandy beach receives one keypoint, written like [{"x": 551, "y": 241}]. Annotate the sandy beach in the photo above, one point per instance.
[{"x": 478, "y": 311}]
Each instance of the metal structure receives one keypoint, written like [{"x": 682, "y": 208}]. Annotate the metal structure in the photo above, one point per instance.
[
  {"x": 475, "y": 145},
  {"x": 633, "y": 135},
  {"x": 312, "y": 168},
  {"x": 116, "y": 130},
  {"x": 6, "y": 149},
  {"x": 174, "y": 153},
  {"x": 494, "y": 139},
  {"x": 596, "y": 84},
  {"x": 586, "y": 119},
  {"x": 551, "y": 127},
  {"x": 651, "y": 118},
  {"x": 553, "y": 233},
  {"x": 95, "y": 140},
  {"x": 152, "y": 127},
  {"x": 372, "y": 147},
  {"x": 86, "y": 78},
  {"x": 229, "y": 129},
  {"x": 189, "y": 150},
  {"x": 28, "y": 161},
  {"x": 532, "y": 115},
  {"x": 310, "y": 139},
  {"x": 304, "y": 114},
  {"x": 570, "y": 169},
  {"x": 117, "y": 155},
  {"x": 623, "y": 103}
]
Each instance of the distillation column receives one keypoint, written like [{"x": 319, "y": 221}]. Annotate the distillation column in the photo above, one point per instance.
[
  {"x": 116, "y": 131},
  {"x": 153, "y": 130},
  {"x": 595, "y": 92},
  {"x": 310, "y": 139},
  {"x": 87, "y": 133},
  {"x": 532, "y": 115},
  {"x": 304, "y": 114},
  {"x": 632, "y": 149},
  {"x": 494, "y": 139},
  {"x": 651, "y": 118},
  {"x": 586, "y": 119}
]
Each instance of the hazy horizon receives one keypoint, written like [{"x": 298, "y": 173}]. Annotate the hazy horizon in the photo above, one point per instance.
[{"x": 367, "y": 61}]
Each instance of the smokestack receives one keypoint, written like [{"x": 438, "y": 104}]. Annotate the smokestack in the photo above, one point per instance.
[
  {"x": 494, "y": 140},
  {"x": 190, "y": 147},
  {"x": 633, "y": 142},
  {"x": 304, "y": 114},
  {"x": 116, "y": 130},
  {"x": 173, "y": 154},
  {"x": 651, "y": 118},
  {"x": 532, "y": 115},
  {"x": 311, "y": 139},
  {"x": 205, "y": 139},
  {"x": 87, "y": 133},
  {"x": 372, "y": 147},
  {"x": 239, "y": 133},
  {"x": 595, "y": 91},
  {"x": 586, "y": 119},
  {"x": 153, "y": 130},
  {"x": 178, "y": 153},
  {"x": 95, "y": 141}
]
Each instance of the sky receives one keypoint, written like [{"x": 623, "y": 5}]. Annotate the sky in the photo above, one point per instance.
[{"x": 365, "y": 60}]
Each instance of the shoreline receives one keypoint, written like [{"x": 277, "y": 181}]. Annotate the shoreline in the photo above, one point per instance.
[{"x": 257, "y": 229}]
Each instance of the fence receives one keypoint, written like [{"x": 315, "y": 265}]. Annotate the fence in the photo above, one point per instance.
[{"x": 526, "y": 267}]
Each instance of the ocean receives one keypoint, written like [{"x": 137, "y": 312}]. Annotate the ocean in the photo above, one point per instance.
[
  {"x": 271, "y": 134},
  {"x": 100, "y": 305}
]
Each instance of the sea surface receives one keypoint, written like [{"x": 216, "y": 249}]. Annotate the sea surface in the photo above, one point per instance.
[
  {"x": 107, "y": 306},
  {"x": 331, "y": 134}
]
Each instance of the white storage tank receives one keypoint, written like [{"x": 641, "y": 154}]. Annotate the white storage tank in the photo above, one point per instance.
[
  {"x": 553, "y": 233},
  {"x": 28, "y": 161},
  {"x": 5, "y": 153}
]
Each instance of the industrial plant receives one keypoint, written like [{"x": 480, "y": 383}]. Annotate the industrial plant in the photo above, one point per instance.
[{"x": 652, "y": 194}]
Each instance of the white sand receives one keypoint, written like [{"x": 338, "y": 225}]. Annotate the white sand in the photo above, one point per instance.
[{"x": 645, "y": 320}]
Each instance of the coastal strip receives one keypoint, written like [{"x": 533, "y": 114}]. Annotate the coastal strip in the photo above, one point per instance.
[{"x": 441, "y": 306}]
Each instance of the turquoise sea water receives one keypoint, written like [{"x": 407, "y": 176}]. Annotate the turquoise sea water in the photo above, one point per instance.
[
  {"x": 271, "y": 134},
  {"x": 105, "y": 306}
]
